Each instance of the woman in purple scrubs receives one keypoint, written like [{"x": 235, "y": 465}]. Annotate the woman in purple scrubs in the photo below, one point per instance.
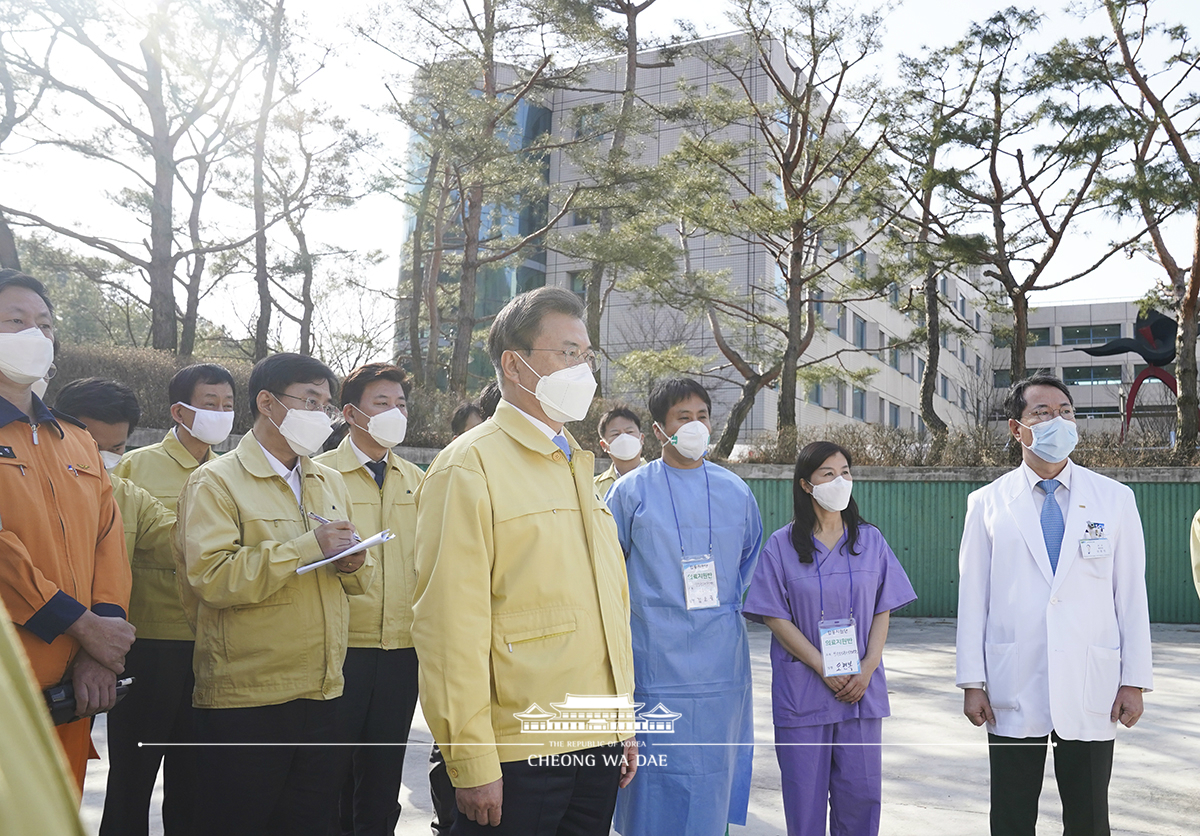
[{"x": 827, "y": 569}]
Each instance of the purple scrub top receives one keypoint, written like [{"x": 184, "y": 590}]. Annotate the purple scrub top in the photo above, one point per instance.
[{"x": 783, "y": 587}]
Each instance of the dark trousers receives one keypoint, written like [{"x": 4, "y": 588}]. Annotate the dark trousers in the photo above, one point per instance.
[
  {"x": 376, "y": 706},
  {"x": 157, "y": 709},
  {"x": 573, "y": 797},
  {"x": 441, "y": 793},
  {"x": 1082, "y": 769},
  {"x": 267, "y": 790}
]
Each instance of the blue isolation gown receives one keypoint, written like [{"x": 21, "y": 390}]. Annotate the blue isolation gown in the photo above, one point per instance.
[{"x": 696, "y": 663}]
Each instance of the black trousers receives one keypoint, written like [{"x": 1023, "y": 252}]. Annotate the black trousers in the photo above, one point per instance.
[
  {"x": 157, "y": 709},
  {"x": 441, "y": 793},
  {"x": 574, "y": 796},
  {"x": 1082, "y": 769},
  {"x": 376, "y": 706},
  {"x": 267, "y": 790}
]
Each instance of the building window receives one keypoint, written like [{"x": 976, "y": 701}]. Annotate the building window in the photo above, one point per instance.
[
  {"x": 945, "y": 387},
  {"x": 859, "y": 404},
  {"x": 978, "y": 365},
  {"x": 894, "y": 293},
  {"x": 978, "y": 322},
  {"x": 1039, "y": 336},
  {"x": 1092, "y": 375},
  {"x": 1089, "y": 334},
  {"x": 860, "y": 332},
  {"x": 945, "y": 285},
  {"x": 840, "y": 407},
  {"x": 814, "y": 394},
  {"x": 895, "y": 359},
  {"x": 962, "y": 306},
  {"x": 1001, "y": 378},
  {"x": 962, "y": 352},
  {"x": 578, "y": 280},
  {"x": 962, "y": 396},
  {"x": 894, "y": 416},
  {"x": 839, "y": 325},
  {"x": 945, "y": 340},
  {"x": 820, "y": 306},
  {"x": 920, "y": 368},
  {"x": 860, "y": 263}
]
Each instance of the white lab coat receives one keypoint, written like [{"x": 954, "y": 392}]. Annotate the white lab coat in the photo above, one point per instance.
[{"x": 1052, "y": 649}]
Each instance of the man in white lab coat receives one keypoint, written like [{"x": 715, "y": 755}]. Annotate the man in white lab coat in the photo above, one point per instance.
[{"x": 1053, "y": 625}]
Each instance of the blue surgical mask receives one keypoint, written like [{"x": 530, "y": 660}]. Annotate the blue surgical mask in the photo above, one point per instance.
[{"x": 1053, "y": 440}]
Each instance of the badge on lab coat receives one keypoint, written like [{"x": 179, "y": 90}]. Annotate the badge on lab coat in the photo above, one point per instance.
[
  {"x": 839, "y": 647},
  {"x": 1094, "y": 543},
  {"x": 700, "y": 582}
]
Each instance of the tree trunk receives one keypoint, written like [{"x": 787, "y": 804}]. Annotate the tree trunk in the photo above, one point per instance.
[
  {"x": 161, "y": 269},
  {"x": 9, "y": 260},
  {"x": 187, "y": 337},
  {"x": 933, "y": 347},
  {"x": 465, "y": 328},
  {"x": 737, "y": 415},
  {"x": 262, "y": 280},
  {"x": 417, "y": 271},
  {"x": 1185, "y": 361},
  {"x": 1020, "y": 337},
  {"x": 306, "y": 299},
  {"x": 787, "y": 429},
  {"x": 432, "y": 351}
]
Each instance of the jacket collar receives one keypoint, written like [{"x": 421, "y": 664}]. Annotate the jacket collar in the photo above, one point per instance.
[
  {"x": 175, "y": 449},
  {"x": 251, "y": 456},
  {"x": 346, "y": 461},
  {"x": 521, "y": 430},
  {"x": 42, "y": 415}
]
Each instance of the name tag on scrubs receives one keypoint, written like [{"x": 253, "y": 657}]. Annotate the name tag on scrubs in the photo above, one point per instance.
[
  {"x": 839, "y": 647},
  {"x": 700, "y": 582},
  {"x": 1095, "y": 548}
]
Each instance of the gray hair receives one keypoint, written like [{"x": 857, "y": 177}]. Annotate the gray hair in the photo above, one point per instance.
[{"x": 520, "y": 321}]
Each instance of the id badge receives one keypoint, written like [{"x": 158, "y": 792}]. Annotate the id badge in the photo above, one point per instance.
[
  {"x": 839, "y": 647},
  {"x": 1099, "y": 547},
  {"x": 700, "y": 582}
]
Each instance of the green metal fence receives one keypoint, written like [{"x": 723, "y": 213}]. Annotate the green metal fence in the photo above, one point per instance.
[{"x": 923, "y": 522}]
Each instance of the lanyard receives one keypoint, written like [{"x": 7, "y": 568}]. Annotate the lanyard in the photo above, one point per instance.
[
  {"x": 821, "y": 586},
  {"x": 671, "y": 494}
]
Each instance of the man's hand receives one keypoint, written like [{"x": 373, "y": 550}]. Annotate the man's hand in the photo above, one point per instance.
[
  {"x": 977, "y": 707},
  {"x": 855, "y": 687},
  {"x": 1127, "y": 707},
  {"x": 629, "y": 762},
  {"x": 334, "y": 537},
  {"x": 835, "y": 683},
  {"x": 95, "y": 685},
  {"x": 481, "y": 804},
  {"x": 105, "y": 639},
  {"x": 352, "y": 562}
]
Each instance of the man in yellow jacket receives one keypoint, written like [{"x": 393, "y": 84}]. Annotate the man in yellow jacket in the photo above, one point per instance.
[
  {"x": 160, "y": 709},
  {"x": 64, "y": 576},
  {"x": 36, "y": 795},
  {"x": 149, "y": 713},
  {"x": 380, "y": 694},
  {"x": 522, "y": 603},
  {"x": 270, "y": 641}
]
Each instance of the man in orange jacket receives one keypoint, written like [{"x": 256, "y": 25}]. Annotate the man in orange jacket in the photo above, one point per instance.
[{"x": 64, "y": 575}]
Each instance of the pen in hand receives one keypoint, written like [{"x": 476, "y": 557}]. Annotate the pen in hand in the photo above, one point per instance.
[{"x": 324, "y": 521}]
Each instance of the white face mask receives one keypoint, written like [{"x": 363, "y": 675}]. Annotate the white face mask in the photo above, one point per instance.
[
  {"x": 566, "y": 394},
  {"x": 387, "y": 428},
  {"x": 1053, "y": 440},
  {"x": 625, "y": 447},
  {"x": 835, "y": 495},
  {"x": 691, "y": 440},
  {"x": 110, "y": 459},
  {"x": 305, "y": 430},
  {"x": 26, "y": 356},
  {"x": 209, "y": 425}
]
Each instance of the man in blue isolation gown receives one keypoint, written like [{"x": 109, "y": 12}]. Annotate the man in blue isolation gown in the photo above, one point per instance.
[{"x": 691, "y": 532}]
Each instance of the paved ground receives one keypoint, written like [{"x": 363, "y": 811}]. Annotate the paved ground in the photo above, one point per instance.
[{"x": 935, "y": 763}]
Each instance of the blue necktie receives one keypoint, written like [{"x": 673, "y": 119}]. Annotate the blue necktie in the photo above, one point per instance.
[
  {"x": 378, "y": 470},
  {"x": 1052, "y": 522},
  {"x": 561, "y": 442}
]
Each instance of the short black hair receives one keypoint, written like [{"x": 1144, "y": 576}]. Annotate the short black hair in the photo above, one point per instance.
[
  {"x": 619, "y": 411},
  {"x": 108, "y": 401},
  {"x": 279, "y": 371},
  {"x": 357, "y": 381},
  {"x": 489, "y": 399},
  {"x": 1014, "y": 402},
  {"x": 182, "y": 387},
  {"x": 520, "y": 321},
  {"x": 15, "y": 278},
  {"x": 667, "y": 393},
  {"x": 458, "y": 420}
]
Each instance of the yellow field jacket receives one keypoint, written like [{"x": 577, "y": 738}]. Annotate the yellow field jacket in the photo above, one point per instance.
[
  {"x": 383, "y": 616},
  {"x": 161, "y": 470},
  {"x": 264, "y": 635},
  {"x": 148, "y": 529},
  {"x": 521, "y": 595}
]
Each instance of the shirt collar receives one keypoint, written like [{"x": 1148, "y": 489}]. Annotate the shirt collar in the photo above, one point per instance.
[
  {"x": 1064, "y": 477},
  {"x": 276, "y": 464},
  {"x": 540, "y": 424},
  {"x": 41, "y": 413},
  {"x": 362, "y": 457}
]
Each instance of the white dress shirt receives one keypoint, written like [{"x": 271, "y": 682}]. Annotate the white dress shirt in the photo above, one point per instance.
[
  {"x": 292, "y": 477},
  {"x": 541, "y": 425}
]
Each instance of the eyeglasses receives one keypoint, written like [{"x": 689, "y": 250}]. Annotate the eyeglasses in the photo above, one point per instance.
[
  {"x": 574, "y": 358},
  {"x": 1040, "y": 415},
  {"x": 312, "y": 404}
]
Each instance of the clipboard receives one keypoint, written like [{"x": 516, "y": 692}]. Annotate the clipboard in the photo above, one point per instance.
[{"x": 362, "y": 545}]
